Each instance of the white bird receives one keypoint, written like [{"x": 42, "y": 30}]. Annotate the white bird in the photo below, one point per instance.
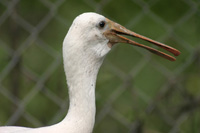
[{"x": 89, "y": 39}]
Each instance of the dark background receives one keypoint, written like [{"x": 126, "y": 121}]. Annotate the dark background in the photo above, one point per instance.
[{"x": 136, "y": 90}]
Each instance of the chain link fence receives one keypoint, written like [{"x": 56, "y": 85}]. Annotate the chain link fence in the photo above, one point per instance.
[{"x": 136, "y": 91}]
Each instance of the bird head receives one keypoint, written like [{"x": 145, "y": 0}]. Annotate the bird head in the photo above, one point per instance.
[{"x": 94, "y": 35}]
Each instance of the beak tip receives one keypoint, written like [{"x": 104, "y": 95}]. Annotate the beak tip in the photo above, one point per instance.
[
  {"x": 177, "y": 53},
  {"x": 174, "y": 60}
]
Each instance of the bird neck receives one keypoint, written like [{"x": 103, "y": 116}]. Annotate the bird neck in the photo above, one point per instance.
[{"x": 81, "y": 80}]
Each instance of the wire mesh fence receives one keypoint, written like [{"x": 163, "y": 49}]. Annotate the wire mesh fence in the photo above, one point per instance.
[{"x": 136, "y": 91}]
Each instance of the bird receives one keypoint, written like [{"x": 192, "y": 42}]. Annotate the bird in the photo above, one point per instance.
[{"x": 88, "y": 41}]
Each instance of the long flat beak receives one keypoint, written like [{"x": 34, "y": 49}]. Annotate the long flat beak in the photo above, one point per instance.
[{"x": 114, "y": 35}]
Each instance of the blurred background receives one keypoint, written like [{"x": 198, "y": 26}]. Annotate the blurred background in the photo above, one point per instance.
[{"x": 137, "y": 92}]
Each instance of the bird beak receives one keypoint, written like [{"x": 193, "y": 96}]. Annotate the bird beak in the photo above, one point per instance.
[{"x": 113, "y": 34}]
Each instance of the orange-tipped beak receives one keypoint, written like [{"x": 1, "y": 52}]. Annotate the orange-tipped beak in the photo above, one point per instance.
[{"x": 113, "y": 34}]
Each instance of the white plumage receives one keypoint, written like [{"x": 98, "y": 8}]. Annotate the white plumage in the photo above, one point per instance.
[{"x": 88, "y": 40}]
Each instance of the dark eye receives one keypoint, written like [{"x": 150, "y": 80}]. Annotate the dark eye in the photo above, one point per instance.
[{"x": 102, "y": 24}]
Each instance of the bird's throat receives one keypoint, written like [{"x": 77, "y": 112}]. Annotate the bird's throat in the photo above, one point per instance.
[{"x": 81, "y": 85}]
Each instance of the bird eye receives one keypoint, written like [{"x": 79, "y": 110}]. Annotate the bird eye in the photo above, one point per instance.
[{"x": 102, "y": 24}]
